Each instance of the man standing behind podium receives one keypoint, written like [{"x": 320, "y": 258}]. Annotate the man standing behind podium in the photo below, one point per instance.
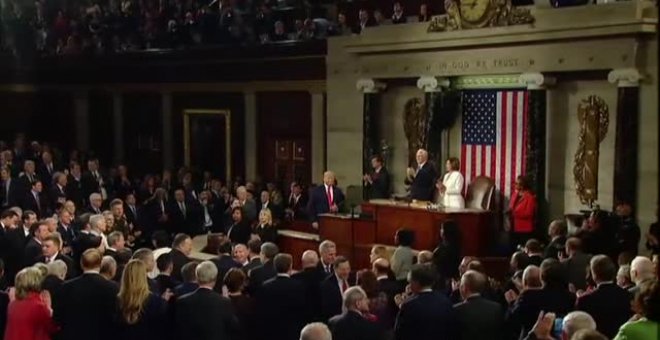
[
  {"x": 325, "y": 198},
  {"x": 422, "y": 184},
  {"x": 378, "y": 181}
]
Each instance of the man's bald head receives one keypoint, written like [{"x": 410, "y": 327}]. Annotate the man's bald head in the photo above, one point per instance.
[
  {"x": 310, "y": 259},
  {"x": 532, "y": 277},
  {"x": 315, "y": 331},
  {"x": 641, "y": 268}
]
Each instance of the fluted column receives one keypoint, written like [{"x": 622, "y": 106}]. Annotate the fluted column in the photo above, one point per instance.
[
  {"x": 168, "y": 146},
  {"x": 437, "y": 137},
  {"x": 535, "y": 161},
  {"x": 118, "y": 126},
  {"x": 250, "y": 99},
  {"x": 627, "y": 134},
  {"x": 81, "y": 114},
  {"x": 318, "y": 136},
  {"x": 370, "y": 110}
]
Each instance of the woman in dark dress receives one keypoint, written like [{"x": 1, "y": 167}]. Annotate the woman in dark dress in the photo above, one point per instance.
[
  {"x": 235, "y": 280},
  {"x": 447, "y": 255},
  {"x": 141, "y": 314},
  {"x": 238, "y": 231},
  {"x": 265, "y": 229}
]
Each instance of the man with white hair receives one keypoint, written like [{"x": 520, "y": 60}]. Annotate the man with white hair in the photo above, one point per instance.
[
  {"x": 98, "y": 226},
  {"x": 576, "y": 321},
  {"x": 352, "y": 324},
  {"x": 328, "y": 251},
  {"x": 315, "y": 331},
  {"x": 324, "y": 199},
  {"x": 205, "y": 304},
  {"x": 642, "y": 270},
  {"x": 95, "y": 203},
  {"x": 422, "y": 179},
  {"x": 248, "y": 205},
  {"x": 311, "y": 277}
]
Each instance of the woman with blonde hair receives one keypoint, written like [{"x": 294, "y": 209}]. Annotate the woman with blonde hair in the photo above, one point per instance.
[
  {"x": 29, "y": 316},
  {"x": 141, "y": 314},
  {"x": 265, "y": 229},
  {"x": 378, "y": 252}
]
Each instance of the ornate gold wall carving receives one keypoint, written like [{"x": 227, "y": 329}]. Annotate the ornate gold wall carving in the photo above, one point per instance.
[
  {"x": 593, "y": 116},
  {"x": 414, "y": 126}
]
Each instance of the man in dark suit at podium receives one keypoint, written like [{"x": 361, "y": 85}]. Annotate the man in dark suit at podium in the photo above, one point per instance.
[
  {"x": 325, "y": 198},
  {"x": 422, "y": 184},
  {"x": 378, "y": 181}
]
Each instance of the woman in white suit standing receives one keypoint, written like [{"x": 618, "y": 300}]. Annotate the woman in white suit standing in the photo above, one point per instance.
[{"x": 450, "y": 190}]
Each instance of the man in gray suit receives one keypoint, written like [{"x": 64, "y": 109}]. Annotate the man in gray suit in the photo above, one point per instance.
[
  {"x": 576, "y": 265},
  {"x": 478, "y": 317}
]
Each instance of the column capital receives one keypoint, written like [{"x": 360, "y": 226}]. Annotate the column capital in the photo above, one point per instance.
[
  {"x": 536, "y": 80},
  {"x": 625, "y": 77},
  {"x": 432, "y": 84},
  {"x": 366, "y": 85}
]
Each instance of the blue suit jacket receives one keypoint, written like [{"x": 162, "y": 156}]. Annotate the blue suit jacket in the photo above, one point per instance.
[
  {"x": 426, "y": 316},
  {"x": 318, "y": 202}
]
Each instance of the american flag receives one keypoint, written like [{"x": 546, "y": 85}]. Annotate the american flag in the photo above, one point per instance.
[{"x": 494, "y": 136}]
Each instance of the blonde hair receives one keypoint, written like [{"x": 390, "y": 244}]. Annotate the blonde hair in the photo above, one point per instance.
[
  {"x": 269, "y": 216},
  {"x": 380, "y": 252},
  {"x": 133, "y": 291},
  {"x": 28, "y": 280}
]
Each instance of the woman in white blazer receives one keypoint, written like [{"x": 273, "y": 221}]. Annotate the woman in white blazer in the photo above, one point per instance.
[{"x": 450, "y": 190}]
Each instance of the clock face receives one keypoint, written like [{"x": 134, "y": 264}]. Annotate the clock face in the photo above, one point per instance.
[{"x": 474, "y": 12}]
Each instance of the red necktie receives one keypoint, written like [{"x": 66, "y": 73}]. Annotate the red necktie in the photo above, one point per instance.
[
  {"x": 344, "y": 286},
  {"x": 329, "y": 194}
]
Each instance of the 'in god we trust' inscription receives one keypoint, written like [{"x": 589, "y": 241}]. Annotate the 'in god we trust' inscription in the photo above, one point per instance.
[{"x": 473, "y": 65}]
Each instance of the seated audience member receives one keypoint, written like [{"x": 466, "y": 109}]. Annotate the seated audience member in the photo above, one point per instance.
[
  {"x": 189, "y": 284},
  {"x": 240, "y": 254},
  {"x": 623, "y": 278},
  {"x": 88, "y": 302},
  {"x": 426, "y": 315},
  {"x": 353, "y": 323},
  {"x": 557, "y": 232},
  {"x": 328, "y": 252},
  {"x": 164, "y": 279},
  {"x": 266, "y": 270},
  {"x": 194, "y": 310},
  {"x": 109, "y": 269},
  {"x": 333, "y": 288},
  {"x": 50, "y": 247},
  {"x": 447, "y": 255},
  {"x": 519, "y": 261},
  {"x": 534, "y": 252},
  {"x": 576, "y": 265},
  {"x": 402, "y": 259},
  {"x": 378, "y": 303},
  {"x": 244, "y": 306},
  {"x": 281, "y": 309},
  {"x": 239, "y": 230},
  {"x": 54, "y": 280},
  {"x": 397, "y": 16},
  {"x": 29, "y": 315},
  {"x": 142, "y": 314},
  {"x": 315, "y": 331},
  {"x": 224, "y": 261},
  {"x": 642, "y": 271},
  {"x": 265, "y": 230},
  {"x": 181, "y": 250},
  {"x": 553, "y": 296},
  {"x": 254, "y": 248},
  {"x": 478, "y": 318},
  {"x": 628, "y": 233},
  {"x": 646, "y": 324},
  {"x": 311, "y": 278},
  {"x": 608, "y": 304}
]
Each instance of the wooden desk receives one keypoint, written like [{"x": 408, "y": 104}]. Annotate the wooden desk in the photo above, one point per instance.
[
  {"x": 476, "y": 226},
  {"x": 354, "y": 237}
]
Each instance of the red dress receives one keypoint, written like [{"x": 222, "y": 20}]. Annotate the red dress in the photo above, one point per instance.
[
  {"x": 523, "y": 211},
  {"x": 29, "y": 319}
]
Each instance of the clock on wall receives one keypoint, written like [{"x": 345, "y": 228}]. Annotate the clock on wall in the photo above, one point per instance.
[
  {"x": 476, "y": 13},
  {"x": 466, "y": 14}
]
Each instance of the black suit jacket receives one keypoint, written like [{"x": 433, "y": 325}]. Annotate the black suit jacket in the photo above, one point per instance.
[
  {"x": 523, "y": 313},
  {"x": 224, "y": 263},
  {"x": 68, "y": 234},
  {"x": 318, "y": 201},
  {"x": 194, "y": 312},
  {"x": 42, "y": 209},
  {"x": 86, "y": 307},
  {"x": 480, "y": 319},
  {"x": 331, "y": 298},
  {"x": 254, "y": 263},
  {"x": 55, "y": 193},
  {"x": 179, "y": 260},
  {"x": 90, "y": 184},
  {"x": 426, "y": 316},
  {"x": 32, "y": 253},
  {"x": 423, "y": 185},
  {"x": 53, "y": 285},
  {"x": 281, "y": 308},
  {"x": 353, "y": 326},
  {"x": 239, "y": 233},
  {"x": 45, "y": 176},
  {"x": 13, "y": 196},
  {"x": 190, "y": 223},
  {"x": 311, "y": 278},
  {"x": 609, "y": 305},
  {"x": 259, "y": 275},
  {"x": 380, "y": 184},
  {"x": 4, "y": 304},
  {"x": 299, "y": 207},
  {"x": 15, "y": 240},
  {"x": 74, "y": 191},
  {"x": 71, "y": 268}
]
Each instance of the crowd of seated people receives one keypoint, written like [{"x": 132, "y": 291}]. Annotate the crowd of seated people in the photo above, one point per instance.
[{"x": 93, "y": 255}]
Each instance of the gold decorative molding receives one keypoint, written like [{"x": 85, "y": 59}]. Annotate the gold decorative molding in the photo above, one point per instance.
[
  {"x": 593, "y": 116},
  {"x": 487, "y": 82},
  {"x": 500, "y": 13}
]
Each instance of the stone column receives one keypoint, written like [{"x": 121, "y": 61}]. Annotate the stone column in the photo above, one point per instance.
[
  {"x": 318, "y": 143},
  {"x": 250, "y": 99},
  {"x": 81, "y": 116},
  {"x": 536, "y": 148},
  {"x": 168, "y": 146},
  {"x": 437, "y": 137},
  {"x": 370, "y": 112},
  {"x": 627, "y": 135},
  {"x": 118, "y": 126}
]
